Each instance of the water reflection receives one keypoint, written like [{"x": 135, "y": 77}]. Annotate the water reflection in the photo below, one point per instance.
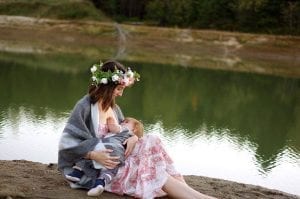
[
  {"x": 29, "y": 136},
  {"x": 236, "y": 126}
]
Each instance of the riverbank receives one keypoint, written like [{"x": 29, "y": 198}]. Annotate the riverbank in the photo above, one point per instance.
[
  {"x": 32, "y": 180},
  {"x": 230, "y": 51}
]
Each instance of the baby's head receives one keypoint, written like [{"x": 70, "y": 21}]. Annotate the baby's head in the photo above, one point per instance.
[{"x": 134, "y": 125}]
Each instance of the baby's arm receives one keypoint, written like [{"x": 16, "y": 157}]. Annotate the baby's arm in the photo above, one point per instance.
[{"x": 112, "y": 126}]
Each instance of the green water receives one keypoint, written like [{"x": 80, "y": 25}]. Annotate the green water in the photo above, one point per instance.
[{"x": 243, "y": 127}]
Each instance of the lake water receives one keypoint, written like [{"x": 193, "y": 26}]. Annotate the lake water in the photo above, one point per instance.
[{"x": 234, "y": 126}]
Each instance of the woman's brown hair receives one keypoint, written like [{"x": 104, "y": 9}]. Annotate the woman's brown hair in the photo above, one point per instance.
[{"x": 105, "y": 91}]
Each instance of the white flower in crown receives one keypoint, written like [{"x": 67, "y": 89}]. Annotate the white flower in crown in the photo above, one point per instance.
[
  {"x": 94, "y": 78},
  {"x": 93, "y": 68},
  {"x": 104, "y": 81},
  {"x": 115, "y": 78},
  {"x": 129, "y": 73}
]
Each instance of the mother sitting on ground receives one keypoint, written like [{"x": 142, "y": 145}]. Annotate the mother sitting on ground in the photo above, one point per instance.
[{"x": 148, "y": 171}]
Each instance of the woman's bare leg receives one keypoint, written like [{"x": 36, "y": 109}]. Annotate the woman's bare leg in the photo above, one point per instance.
[
  {"x": 180, "y": 178},
  {"x": 176, "y": 189}
]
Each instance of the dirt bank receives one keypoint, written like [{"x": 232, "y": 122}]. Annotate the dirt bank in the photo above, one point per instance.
[
  {"x": 263, "y": 54},
  {"x": 25, "y": 179}
]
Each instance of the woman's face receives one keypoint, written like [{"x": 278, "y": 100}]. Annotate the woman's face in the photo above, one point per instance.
[{"x": 118, "y": 91}]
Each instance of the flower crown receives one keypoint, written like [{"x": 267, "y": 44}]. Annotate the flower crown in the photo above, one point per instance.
[{"x": 117, "y": 76}]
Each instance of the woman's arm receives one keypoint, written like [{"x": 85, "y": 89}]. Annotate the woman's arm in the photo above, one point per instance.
[{"x": 103, "y": 158}]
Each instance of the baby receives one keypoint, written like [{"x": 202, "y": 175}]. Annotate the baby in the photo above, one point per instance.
[
  {"x": 130, "y": 123},
  {"x": 117, "y": 134}
]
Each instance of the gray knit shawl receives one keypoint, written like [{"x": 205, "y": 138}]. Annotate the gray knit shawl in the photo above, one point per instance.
[{"x": 78, "y": 138}]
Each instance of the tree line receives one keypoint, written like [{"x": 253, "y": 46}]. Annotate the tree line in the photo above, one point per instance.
[{"x": 258, "y": 16}]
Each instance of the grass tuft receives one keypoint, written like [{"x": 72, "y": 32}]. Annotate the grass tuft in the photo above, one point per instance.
[{"x": 64, "y": 9}]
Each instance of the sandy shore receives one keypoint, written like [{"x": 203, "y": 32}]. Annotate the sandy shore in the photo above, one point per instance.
[{"x": 25, "y": 179}]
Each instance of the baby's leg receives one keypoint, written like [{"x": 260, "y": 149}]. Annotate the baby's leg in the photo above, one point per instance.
[
  {"x": 108, "y": 175},
  {"x": 97, "y": 189},
  {"x": 105, "y": 178}
]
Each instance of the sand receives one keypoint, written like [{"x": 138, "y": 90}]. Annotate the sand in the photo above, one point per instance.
[{"x": 26, "y": 179}]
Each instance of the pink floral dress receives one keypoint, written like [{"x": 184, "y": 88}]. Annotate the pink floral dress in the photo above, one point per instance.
[
  {"x": 102, "y": 130},
  {"x": 145, "y": 171}
]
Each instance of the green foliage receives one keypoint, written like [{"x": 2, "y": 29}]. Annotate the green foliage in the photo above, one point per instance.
[
  {"x": 72, "y": 11},
  {"x": 261, "y": 16},
  {"x": 52, "y": 9},
  {"x": 175, "y": 12},
  {"x": 264, "y": 16},
  {"x": 291, "y": 16},
  {"x": 213, "y": 14},
  {"x": 122, "y": 9}
]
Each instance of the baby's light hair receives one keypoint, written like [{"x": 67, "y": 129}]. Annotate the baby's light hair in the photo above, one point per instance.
[{"x": 138, "y": 128}]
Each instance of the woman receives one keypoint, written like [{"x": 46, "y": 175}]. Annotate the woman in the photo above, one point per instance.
[{"x": 148, "y": 171}]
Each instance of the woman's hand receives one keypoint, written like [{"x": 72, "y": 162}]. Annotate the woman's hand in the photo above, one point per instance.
[
  {"x": 103, "y": 158},
  {"x": 130, "y": 144}
]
